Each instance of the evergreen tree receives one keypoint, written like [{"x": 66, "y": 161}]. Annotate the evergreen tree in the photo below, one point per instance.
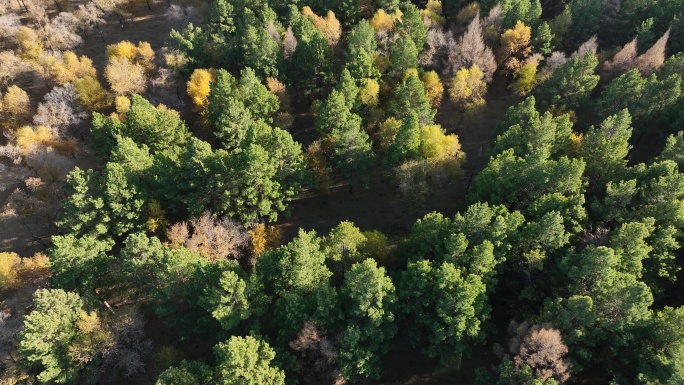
[
  {"x": 570, "y": 84},
  {"x": 368, "y": 298},
  {"x": 407, "y": 142},
  {"x": 410, "y": 98}
]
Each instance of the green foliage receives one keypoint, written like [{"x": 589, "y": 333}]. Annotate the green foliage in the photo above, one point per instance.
[
  {"x": 502, "y": 181},
  {"x": 605, "y": 149},
  {"x": 155, "y": 127},
  {"x": 406, "y": 145},
  {"x": 542, "y": 41},
  {"x": 261, "y": 52},
  {"x": 311, "y": 64},
  {"x": 352, "y": 152},
  {"x": 368, "y": 298},
  {"x": 445, "y": 302},
  {"x": 79, "y": 262},
  {"x": 49, "y": 331},
  {"x": 585, "y": 21},
  {"x": 247, "y": 361},
  {"x": 648, "y": 97},
  {"x": 234, "y": 106},
  {"x": 229, "y": 301},
  {"x": 527, "y": 11},
  {"x": 510, "y": 373},
  {"x": 570, "y": 84},
  {"x": 187, "y": 373},
  {"x": 403, "y": 57},
  {"x": 409, "y": 97},
  {"x": 526, "y": 131},
  {"x": 412, "y": 25}
]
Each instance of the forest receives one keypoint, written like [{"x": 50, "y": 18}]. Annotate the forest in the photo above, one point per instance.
[{"x": 387, "y": 192}]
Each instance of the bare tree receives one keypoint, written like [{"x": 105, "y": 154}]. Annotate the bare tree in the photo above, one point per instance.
[
  {"x": 89, "y": 17},
  {"x": 623, "y": 61},
  {"x": 289, "y": 43},
  {"x": 9, "y": 24},
  {"x": 60, "y": 109},
  {"x": 541, "y": 348},
  {"x": 216, "y": 239},
  {"x": 651, "y": 60},
  {"x": 471, "y": 49},
  {"x": 439, "y": 43},
  {"x": 212, "y": 238},
  {"x": 61, "y": 34},
  {"x": 317, "y": 352},
  {"x": 590, "y": 45},
  {"x": 275, "y": 35},
  {"x": 10, "y": 66}
]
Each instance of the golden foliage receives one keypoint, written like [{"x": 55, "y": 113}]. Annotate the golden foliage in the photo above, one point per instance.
[
  {"x": 468, "y": 13},
  {"x": 434, "y": 89},
  {"x": 432, "y": 14},
  {"x": 369, "y": 94},
  {"x": 199, "y": 87},
  {"x": 257, "y": 239},
  {"x": 15, "y": 107},
  {"x": 122, "y": 105},
  {"x": 576, "y": 139},
  {"x": 31, "y": 140},
  {"x": 388, "y": 132},
  {"x": 30, "y": 46},
  {"x": 91, "y": 93},
  {"x": 329, "y": 25},
  {"x": 515, "y": 47},
  {"x": 142, "y": 54},
  {"x": 278, "y": 89},
  {"x": 9, "y": 263},
  {"x": 381, "y": 61},
  {"x": 15, "y": 271},
  {"x": 124, "y": 49},
  {"x": 468, "y": 88},
  {"x": 435, "y": 144},
  {"x": 156, "y": 217},
  {"x": 382, "y": 21},
  {"x": 376, "y": 246},
  {"x": 526, "y": 78}
]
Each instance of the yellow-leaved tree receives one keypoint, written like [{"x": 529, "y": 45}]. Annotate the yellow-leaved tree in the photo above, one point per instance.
[
  {"x": 468, "y": 89},
  {"x": 15, "y": 108},
  {"x": 434, "y": 89},
  {"x": 514, "y": 47},
  {"x": 329, "y": 25},
  {"x": 91, "y": 94},
  {"x": 199, "y": 87}
]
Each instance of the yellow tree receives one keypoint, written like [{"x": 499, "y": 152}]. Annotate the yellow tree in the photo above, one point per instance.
[
  {"x": 468, "y": 89},
  {"x": 434, "y": 89},
  {"x": 30, "y": 46},
  {"x": 15, "y": 107},
  {"x": 199, "y": 87},
  {"x": 329, "y": 25},
  {"x": 382, "y": 21},
  {"x": 432, "y": 14},
  {"x": 369, "y": 94},
  {"x": 125, "y": 77},
  {"x": 515, "y": 47},
  {"x": 526, "y": 78},
  {"x": 142, "y": 54},
  {"x": 91, "y": 94}
]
